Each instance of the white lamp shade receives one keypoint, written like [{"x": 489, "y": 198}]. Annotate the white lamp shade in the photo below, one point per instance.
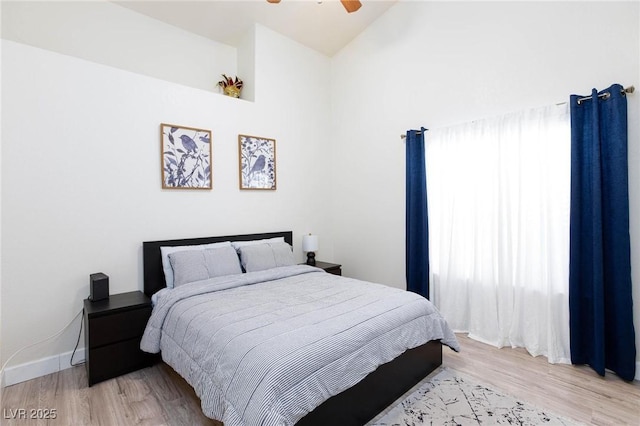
[{"x": 309, "y": 243}]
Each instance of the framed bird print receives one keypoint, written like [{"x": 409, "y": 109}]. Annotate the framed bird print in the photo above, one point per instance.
[
  {"x": 257, "y": 162},
  {"x": 186, "y": 157}
]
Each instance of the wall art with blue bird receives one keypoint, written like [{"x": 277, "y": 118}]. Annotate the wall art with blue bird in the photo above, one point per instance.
[
  {"x": 186, "y": 157},
  {"x": 257, "y": 162}
]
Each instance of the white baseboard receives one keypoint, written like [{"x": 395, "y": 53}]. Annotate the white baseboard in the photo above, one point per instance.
[
  {"x": 2, "y": 385},
  {"x": 637, "y": 378},
  {"x": 41, "y": 367}
]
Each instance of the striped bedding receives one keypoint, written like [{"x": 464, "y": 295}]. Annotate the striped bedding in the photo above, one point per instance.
[{"x": 266, "y": 348}]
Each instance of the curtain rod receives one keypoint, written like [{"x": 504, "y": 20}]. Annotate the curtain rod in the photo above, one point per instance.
[
  {"x": 419, "y": 132},
  {"x": 404, "y": 136},
  {"x": 606, "y": 95}
]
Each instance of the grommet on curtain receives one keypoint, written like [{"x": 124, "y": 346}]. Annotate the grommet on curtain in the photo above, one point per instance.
[{"x": 607, "y": 95}]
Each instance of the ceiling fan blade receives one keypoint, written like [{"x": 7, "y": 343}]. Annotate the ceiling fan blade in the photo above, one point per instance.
[{"x": 351, "y": 5}]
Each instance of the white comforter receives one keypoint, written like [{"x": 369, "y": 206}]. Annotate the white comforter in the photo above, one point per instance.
[{"x": 266, "y": 348}]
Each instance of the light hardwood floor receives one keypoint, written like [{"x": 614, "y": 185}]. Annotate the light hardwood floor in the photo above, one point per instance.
[
  {"x": 576, "y": 392},
  {"x": 157, "y": 395}
]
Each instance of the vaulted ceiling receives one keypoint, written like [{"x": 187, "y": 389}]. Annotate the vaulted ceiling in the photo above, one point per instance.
[{"x": 324, "y": 26}]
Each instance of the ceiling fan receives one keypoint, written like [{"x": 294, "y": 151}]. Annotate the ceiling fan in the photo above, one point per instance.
[{"x": 349, "y": 5}]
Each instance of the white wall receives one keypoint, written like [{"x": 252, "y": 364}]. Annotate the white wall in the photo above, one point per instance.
[
  {"x": 81, "y": 184},
  {"x": 2, "y": 383},
  {"x": 80, "y": 163},
  {"x": 247, "y": 64},
  {"x": 110, "y": 34},
  {"x": 434, "y": 64}
]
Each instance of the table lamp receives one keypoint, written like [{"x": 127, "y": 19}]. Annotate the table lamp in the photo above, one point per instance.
[{"x": 310, "y": 245}]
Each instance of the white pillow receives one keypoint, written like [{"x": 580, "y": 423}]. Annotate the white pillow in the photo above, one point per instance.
[
  {"x": 258, "y": 257},
  {"x": 238, "y": 244},
  {"x": 166, "y": 251}
]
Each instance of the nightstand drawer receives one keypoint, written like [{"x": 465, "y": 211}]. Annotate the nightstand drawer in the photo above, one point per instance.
[
  {"x": 117, "y": 359},
  {"x": 118, "y": 327}
]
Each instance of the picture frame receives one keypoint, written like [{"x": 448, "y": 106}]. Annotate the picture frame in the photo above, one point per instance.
[
  {"x": 186, "y": 155},
  {"x": 257, "y": 162}
]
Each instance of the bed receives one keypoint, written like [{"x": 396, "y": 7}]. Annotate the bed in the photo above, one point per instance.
[{"x": 328, "y": 403}]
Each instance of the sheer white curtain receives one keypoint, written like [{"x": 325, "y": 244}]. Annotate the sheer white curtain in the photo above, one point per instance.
[{"x": 498, "y": 204}]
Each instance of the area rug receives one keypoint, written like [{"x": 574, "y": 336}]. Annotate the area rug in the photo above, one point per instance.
[{"x": 448, "y": 399}]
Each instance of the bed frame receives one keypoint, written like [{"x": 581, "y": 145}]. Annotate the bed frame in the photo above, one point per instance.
[{"x": 356, "y": 405}]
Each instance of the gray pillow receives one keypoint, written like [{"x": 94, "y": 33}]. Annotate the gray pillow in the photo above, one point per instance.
[
  {"x": 166, "y": 251},
  {"x": 259, "y": 257},
  {"x": 238, "y": 244},
  {"x": 196, "y": 265}
]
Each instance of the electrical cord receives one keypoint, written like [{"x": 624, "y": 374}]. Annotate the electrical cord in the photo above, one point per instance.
[
  {"x": 77, "y": 342},
  {"x": 40, "y": 342}
]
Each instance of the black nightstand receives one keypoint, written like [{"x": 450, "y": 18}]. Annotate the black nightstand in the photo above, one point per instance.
[
  {"x": 113, "y": 330},
  {"x": 332, "y": 268}
]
